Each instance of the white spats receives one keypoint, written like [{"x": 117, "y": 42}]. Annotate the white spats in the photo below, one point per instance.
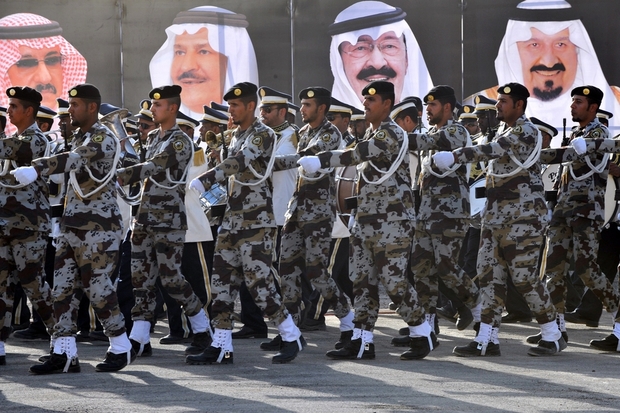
[
  {"x": 119, "y": 344},
  {"x": 422, "y": 330},
  {"x": 346, "y": 322},
  {"x": 288, "y": 330},
  {"x": 140, "y": 331},
  {"x": 550, "y": 331},
  {"x": 200, "y": 323}
]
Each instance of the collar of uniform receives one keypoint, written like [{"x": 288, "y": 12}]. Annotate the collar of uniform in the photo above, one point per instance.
[
  {"x": 310, "y": 130},
  {"x": 281, "y": 127}
]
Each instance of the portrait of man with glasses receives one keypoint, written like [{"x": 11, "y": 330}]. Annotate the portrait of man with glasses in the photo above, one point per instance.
[
  {"x": 372, "y": 41},
  {"x": 33, "y": 53}
]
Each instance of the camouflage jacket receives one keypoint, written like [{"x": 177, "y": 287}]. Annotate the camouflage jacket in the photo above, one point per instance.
[
  {"x": 312, "y": 200},
  {"x": 514, "y": 199},
  {"x": 583, "y": 198},
  {"x": 249, "y": 206},
  {"x": 162, "y": 205},
  {"x": 28, "y": 207},
  {"x": 92, "y": 151},
  {"x": 392, "y": 200},
  {"x": 446, "y": 197}
]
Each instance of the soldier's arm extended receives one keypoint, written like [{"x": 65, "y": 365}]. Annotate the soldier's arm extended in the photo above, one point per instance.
[
  {"x": 442, "y": 140},
  {"x": 558, "y": 155},
  {"x": 383, "y": 144},
  {"x": 98, "y": 147},
  {"x": 173, "y": 152},
  {"x": 258, "y": 146},
  {"x": 328, "y": 141},
  {"x": 23, "y": 150},
  {"x": 603, "y": 145},
  {"x": 503, "y": 145}
]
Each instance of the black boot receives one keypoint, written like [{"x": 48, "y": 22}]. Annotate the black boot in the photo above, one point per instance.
[
  {"x": 345, "y": 337},
  {"x": 288, "y": 351},
  {"x": 351, "y": 351},
  {"x": 211, "y": 355},
  {"x": 141, "y": 350},
  {"x": 537, "y": 337},
  {"x": 200, "y": 343},
  {"x": 609, "y": 343},
  {"x": 420, "y": 347},
  {"x": 272, "y": 345},
  {"x": 474, "y": 349},
  {"x": 547, "y": 348},
  {"x": 57, "y": 363},
  {"x": 116, "y": 362},
  {"x": 2, "y": 360},
  {"x": 464, "y": 319},
  {"x": 402, "y": 341}
]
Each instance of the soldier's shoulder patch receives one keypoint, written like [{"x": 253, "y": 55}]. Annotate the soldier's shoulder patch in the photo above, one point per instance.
[
  {"x": 326, "y": 137},
  {"x": 178, "y": 145},
  {"x": 451, "y": 130},
  {"x": 596, "y": 133},
  {"x": 517, "y": 129},
  {"x": 257, "y": 140},
  {"x": 381, "y": 135},
  {"x": 97, "y": 138}
]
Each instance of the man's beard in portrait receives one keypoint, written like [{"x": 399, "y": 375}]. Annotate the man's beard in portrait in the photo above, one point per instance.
[
  {"x": 366, "y": 72},
  {"x": 549, "y": 93},
  {"x": 47, "y": 87}
]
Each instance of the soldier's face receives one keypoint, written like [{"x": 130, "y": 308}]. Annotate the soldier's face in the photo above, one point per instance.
[
  {"x": 549, "y": 63},
  {"x": 80, "y": 111},
  {"x": 44, "y": 126},
  {"x": 189, "y": 131},
  {"x": 144, "y": 127},
  {"x": 376, "y": 109},
  {"x": 240, "y": 112},
  {"x": 41, "y": 69},
  {"x": 64, "y": 124},
  {"x": 371, "y": 59},
  {"x": 340, "y": 122},
  {"x": 18, "y": 114},
  {"x": 472, "y": 127},
  {"x": 507, "y": 109},
  {"x": 206, "y": 126},
  {"x": 309, "y": 110},
  {"x": 581, "y": 110},
  {"x": 162, "y": 110},
  {"x": 546, "y": 142},
  {"x": 434, "y": 112},
  {"x": 199, "y": 69},
  {"x": 271, "y": 116}
]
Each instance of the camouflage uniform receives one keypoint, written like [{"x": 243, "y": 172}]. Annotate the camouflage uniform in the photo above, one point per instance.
[
  {"x": 381, "y": 234},
  {"x": 160, "y": 224},
  {"x": 442, "y": 220},
  {"x": 574, "y": 232},
  {"x": 512, "y": 224},
  {"x": 88, "y": 245},
  {"x": 24, "y": 220},
  {"x": 245, "y": 242},
  {"x": 306, "y": 235}
]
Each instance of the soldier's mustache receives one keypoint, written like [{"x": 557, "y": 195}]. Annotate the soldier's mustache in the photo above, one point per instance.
[
  {"x": 190, "y": 75},
  {"x": 46, "y": 87},
  {"x": 558, "y": 67},
  {"x": 371, "y": 71}
]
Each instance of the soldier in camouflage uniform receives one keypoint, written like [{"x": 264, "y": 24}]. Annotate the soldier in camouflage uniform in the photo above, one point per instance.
[
  {"x": 90, "y": 232},
  {"x": 161, "y": 222},
  {"x": 25, "y": 213},
  {"x": 381, "y": 231},
  {"x": 306, "y": 234},
  {"x": 245, "y": 242},
  {"x": 443, "y": 216},
  {"x": 512, "y": 224},
  {"x": 575, "y": 229}
]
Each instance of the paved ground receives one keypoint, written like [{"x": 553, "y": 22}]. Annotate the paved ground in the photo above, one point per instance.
[{"x": 577, "y": 380}]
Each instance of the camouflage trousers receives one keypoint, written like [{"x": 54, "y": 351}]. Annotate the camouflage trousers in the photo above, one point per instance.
[
  {"x": 436, "y": 248},
  {"x": 84, "y": 262},
  {"x": 305, "y": 251},
  {"x": 159, "y": 254},
  {"x": 244, "y": 256},
  {"x": 22, "y": 256},
  {"x": 576, "y": 239},
  {"x": 380, "y": 253},
  {"x": 511, "y": 251}
]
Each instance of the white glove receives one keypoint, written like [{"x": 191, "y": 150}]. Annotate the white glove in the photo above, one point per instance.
[
  {"x": 25, "y": 175},
  {"x": 310, "y": 164},
  {"x": 443, "y": 160},
  {"x": 579, "y": 145},
  {"x": 196, "y": 185}
]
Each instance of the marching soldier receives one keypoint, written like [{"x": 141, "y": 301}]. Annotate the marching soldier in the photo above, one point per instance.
[
  {"x": 161, "y": 222},
  {"x": 306, "y": 234},
  {"x": 381, "y": 231},
  {"x": 443, "y": 215},
  {"x": 512, "y": 225},
  {"x": 90, "y": 235},
  {"x": 244, "y": 248},
  {"x": 24, "y": 207}
]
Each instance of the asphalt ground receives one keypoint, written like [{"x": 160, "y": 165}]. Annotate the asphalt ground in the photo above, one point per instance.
[{"x": 577, "y": 380}]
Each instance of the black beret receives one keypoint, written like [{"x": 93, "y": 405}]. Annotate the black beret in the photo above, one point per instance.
[
  {"x": 591, "y": 92},
  {"x": 440, "y": 91},
  {"x": 85, "y": 91},
  {"x": 380, "y": 87},
  {"x": 514, "y": 89},
  {"x": 314, "y": 92},
  {"x": 165, "y": 92},
  {"x": 241, "y": 90},
  {"x": 24, "y": 93}
]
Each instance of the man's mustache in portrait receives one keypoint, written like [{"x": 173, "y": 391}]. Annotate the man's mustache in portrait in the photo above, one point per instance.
[
  {"x": 190, "y": 75},
  {"x": 46, "y": 88},
  {"x": 371, "y": 71},
  {"x": 558, "y": 67}
]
